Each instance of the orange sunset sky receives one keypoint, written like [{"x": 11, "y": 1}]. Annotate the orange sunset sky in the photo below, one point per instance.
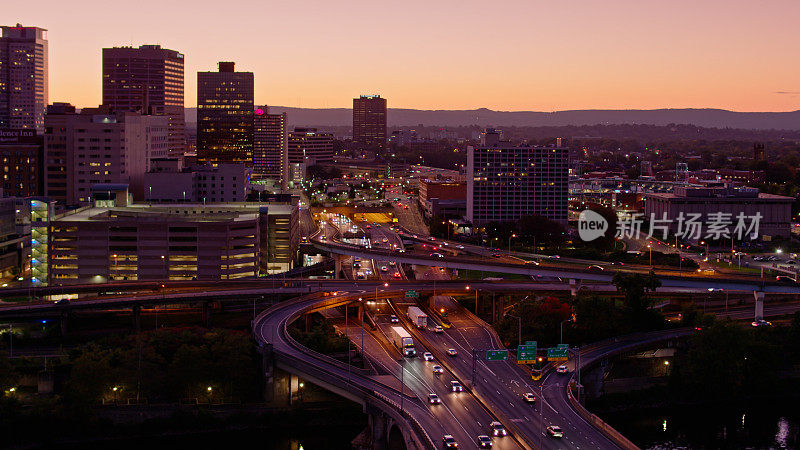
[{"x": 441, "y": 54}]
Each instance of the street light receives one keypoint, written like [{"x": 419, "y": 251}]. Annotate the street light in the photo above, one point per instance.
[
  {"x": 650, "y": 251},
  {"x": 561, "y": 340},
  {"x": 509, "y": 243},
  {"x": 519, "y": 330}
]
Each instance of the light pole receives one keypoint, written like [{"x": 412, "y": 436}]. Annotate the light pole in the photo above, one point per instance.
[
  {"x": 509, "y": 243},
  {"x": 476, "y": 300},
  {"x": 650, "y": 251},
  {"x": 519, "y": 330},
  {"x": 561, "y": 340}
]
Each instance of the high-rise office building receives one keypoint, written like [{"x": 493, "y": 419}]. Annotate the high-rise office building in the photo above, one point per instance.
[
  {"x": 506, "y": 182},
  {"x": 225, "y": 115},
  {"x": 369, "y": 121},
  {"x": 270, "y": 146},
  {"x": 23, "y": 77},
  {"x": 310, "y": 147},
  {"x": 98, "y": 146},
  {"x": 149, "y": 80}
]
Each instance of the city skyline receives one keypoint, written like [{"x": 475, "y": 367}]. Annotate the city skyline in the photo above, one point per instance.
[{"x": 618, "y": 55}]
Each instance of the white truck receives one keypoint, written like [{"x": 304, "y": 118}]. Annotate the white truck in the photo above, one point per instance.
[
  {"x": 417, "y": 317},
  {"x": 402, "y": 340}
]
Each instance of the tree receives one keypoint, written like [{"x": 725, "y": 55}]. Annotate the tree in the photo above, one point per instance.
[{"x": 635, "y": 288}]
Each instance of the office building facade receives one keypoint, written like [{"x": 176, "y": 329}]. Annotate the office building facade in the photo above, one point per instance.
[
  {"x": 169, "y": 182},
  {"x": 369, "y": 121},
  {"x": 270, "y": 146},
  {"x": 506, "y": 182},
  {"x": 148, "y": 79},
  {"x": 97, "y": 146},
  {"x": 225, "y": 115},
  {"x": 309, "y": 147},
  {"x": 21, "y": 159},
  {"x": 775, "y": 211},
  {"x": 23, "y": 77}
]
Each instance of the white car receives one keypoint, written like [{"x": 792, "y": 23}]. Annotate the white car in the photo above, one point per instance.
[
  {"x": 437, "y": 370},
  {"x": 455, "y": 386},
  {"x": 393, "y": 319},
  {"x": 434, "y": 399},
  {"x": 497, "y": 429},
  {"x": 529, "y": 397},
  {"x": 562, "y": 369},
  {"x": 438, "y": 329},
  {"x": 427, "y": 356},
  {"x": 555, "y": 431},
  {"x": 384, "y": 269},
  {"x": 452, "y": 352}
]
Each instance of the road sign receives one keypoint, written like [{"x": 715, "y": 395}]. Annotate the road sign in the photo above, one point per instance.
[
  {"x": 497, "y": 355},
  {"x": 560, "y": 353},
  {"x": 526, "y": 354},
  {"x": 412, "y": 294},
  {"x": 533, "y": 343}
]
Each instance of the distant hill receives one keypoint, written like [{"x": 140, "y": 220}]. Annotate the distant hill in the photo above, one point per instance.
[{"x": 713, "y": 118}]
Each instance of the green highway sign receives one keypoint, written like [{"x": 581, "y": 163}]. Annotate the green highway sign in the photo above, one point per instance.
[
  {"x": 412, "y": 294},
  {"x": 531, "y": 343},
  {"x": 526, "y": 354},
  {"x": 497, "y": 355},
  {"x": 560, "y": 353}
]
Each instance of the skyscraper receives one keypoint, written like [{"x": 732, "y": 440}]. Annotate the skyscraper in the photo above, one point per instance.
[
  {"x": 225, "y": 115},
  {"x": 369, "y": 121},
  {"x": 148, "y": 79},
  {"x": 270, "y": 146},
  {"x": 506, "y": 182},
  {"x": 23, "y": 77}
]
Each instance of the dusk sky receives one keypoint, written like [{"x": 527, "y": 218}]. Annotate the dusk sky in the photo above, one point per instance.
[{"x": 505, "y": 55}]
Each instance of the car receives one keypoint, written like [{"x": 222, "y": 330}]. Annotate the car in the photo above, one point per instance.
[
  {"x": 452, "y": 352},
  {"x": 449, "y": 441},
  {"x": 596, "y": 267},
  {"x": 529, "y": 397},
  {"x": 433, "y": 239},
  {"x": 562, "y": 369},
  {"x": 401, "y": 250},
  {"x": 405, "y": 206},
  {"x": 555, "y": 431},
  {"x": 496, "y": 255},
  {"x": 437, "y": 370},
  {"x": 438, "y": 255},
  {"x": 63, "y": 301},
  {"x": 396, "y": 275},
  {"x": 427, "y": 356},
  {"x": 531, "y": 263},
  {"x": 460, "y": 247},
  {"x": 393, "y": 319},
  {"x": 484, "y": 441},
  {"x": 455, "y": 386},
  {"x": 438, "y": 329},
  {"x": 384, "y": 269},
  {"x": 786, "y": 279},
  {"x": 384, "y": 240},
  {"x": 555, "y": 256},
  {"x": 392, "y": 263},
  {"x": 498, "y": 429},
  {"x": 323, "y": 237},
  {"x": 434, "y": 399},
  {"x": 761, "y": 323},
  {"x": 368, "y": 227}
]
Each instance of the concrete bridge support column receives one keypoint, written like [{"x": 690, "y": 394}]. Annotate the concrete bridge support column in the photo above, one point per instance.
[
  {"x": 379, "y": 425},
  {"x": 337, "y": 267},
  {"x": 759, "y": 297},
  {"x": 64, "y": 320},
  {"x": 136, "y": 312},
  {"x": 574, "y": 287}
]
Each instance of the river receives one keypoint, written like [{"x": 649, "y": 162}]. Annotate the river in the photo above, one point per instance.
[{"x": 774, "y": 424}]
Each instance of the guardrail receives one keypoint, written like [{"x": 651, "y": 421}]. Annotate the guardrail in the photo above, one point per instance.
[
  {"x": 598, "y": 423},
  {"x": 414, "y": 426}
]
